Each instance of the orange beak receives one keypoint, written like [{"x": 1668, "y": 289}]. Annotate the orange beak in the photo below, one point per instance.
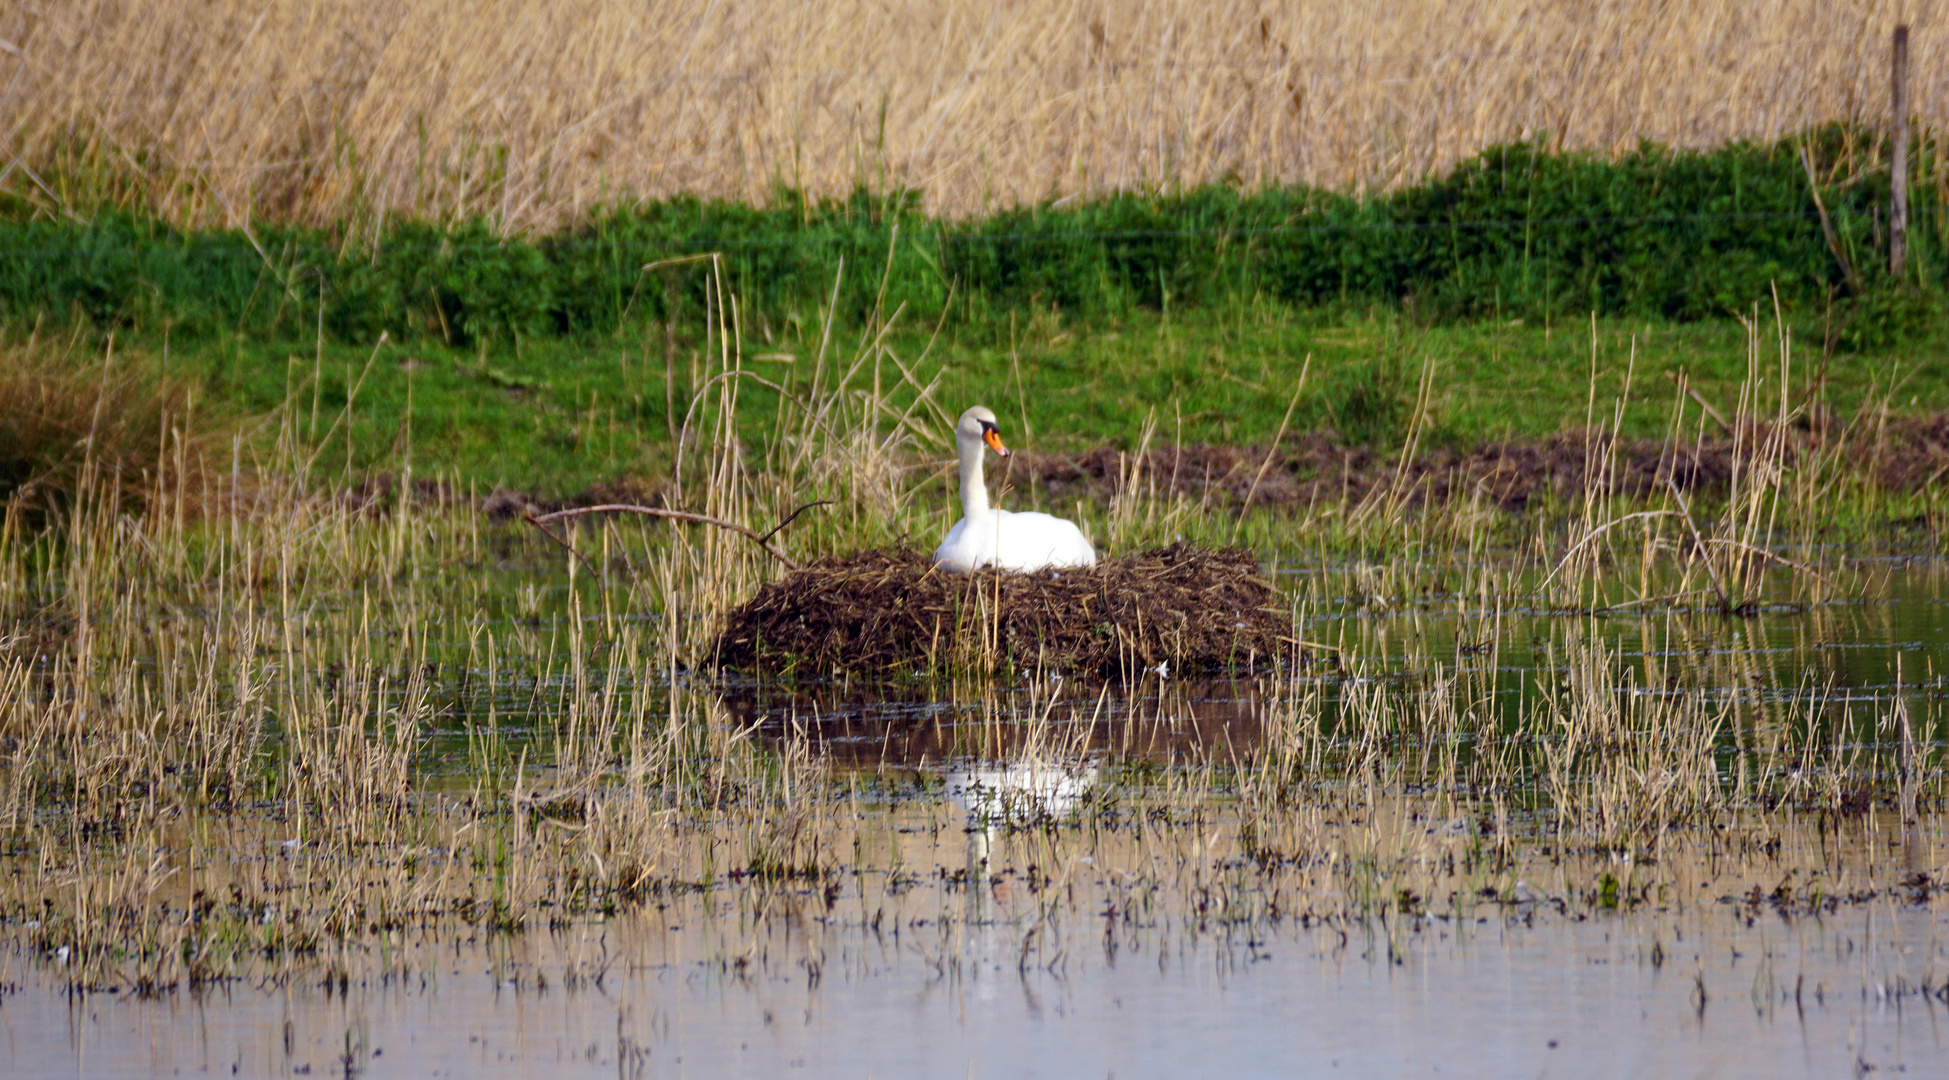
[{"x": 994, "y": 440}]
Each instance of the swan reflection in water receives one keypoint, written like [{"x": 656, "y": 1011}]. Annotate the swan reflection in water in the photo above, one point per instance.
[{"x": 1021, "y": 791}]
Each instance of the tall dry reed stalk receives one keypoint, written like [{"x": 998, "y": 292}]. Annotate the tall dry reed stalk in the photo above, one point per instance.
[
  {"x": 529, "y": 113},
  {"x": 1787, "y": 461}
]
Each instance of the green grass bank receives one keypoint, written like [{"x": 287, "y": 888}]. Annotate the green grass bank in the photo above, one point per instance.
[
  {"x": 1515, "y": 232},
  {"x": 1496, "y": 302}
]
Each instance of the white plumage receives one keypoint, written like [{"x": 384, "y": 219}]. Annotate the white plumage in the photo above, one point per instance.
[{"x": 989, "y": 537}]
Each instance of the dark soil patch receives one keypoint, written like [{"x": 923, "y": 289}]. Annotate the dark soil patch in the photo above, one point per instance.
[
  {"x": 1908, "y": 453},
  {"x": 503, "y": 504},
  {"x": 1317, "y": 469},
  {"x": 893, "y": 613}
]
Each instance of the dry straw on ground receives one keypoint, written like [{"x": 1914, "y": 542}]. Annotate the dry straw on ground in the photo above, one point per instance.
[
  {"x": 531, "y": 112},
  {"x": 879, "y": 613}
]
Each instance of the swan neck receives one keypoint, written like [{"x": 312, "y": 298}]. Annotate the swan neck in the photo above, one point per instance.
[{"x": 974, "y": 488}]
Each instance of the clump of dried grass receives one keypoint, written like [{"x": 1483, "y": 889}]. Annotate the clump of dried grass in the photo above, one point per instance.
[
  {"x": 529, "y": 113},
  {"x": 1192, "y": 609},
  {"x": 106, "y": 426}
]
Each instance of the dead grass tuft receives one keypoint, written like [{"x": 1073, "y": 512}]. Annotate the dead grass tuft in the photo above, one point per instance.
[{"x": 69, "y": 424}]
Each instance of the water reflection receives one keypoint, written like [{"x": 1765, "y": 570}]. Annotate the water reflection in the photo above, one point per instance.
[
  {"x": 701, "y": 992},
  {"x": 1840, "y": 663},
  {"x": 1027, "y": 789},
  {"x": 1158, "y": 721}
]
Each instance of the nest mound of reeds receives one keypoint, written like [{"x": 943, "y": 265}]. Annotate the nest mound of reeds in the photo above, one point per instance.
[{"x": 892, "y": 613}]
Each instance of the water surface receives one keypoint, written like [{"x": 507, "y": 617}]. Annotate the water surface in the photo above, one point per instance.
[{"x": 1131, "y": 943}]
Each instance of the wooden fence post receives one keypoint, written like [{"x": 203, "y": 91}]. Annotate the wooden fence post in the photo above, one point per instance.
[{"x": 1898, "y": 164}]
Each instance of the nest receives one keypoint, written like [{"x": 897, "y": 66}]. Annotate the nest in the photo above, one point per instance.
[{"x": 892, "y": 613}]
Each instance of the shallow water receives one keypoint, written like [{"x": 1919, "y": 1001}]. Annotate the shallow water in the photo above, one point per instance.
[
  {"x": 687, "y": 993},
  {"x": 980, "y": 970},
  {"x": 1845, "y": 660}
]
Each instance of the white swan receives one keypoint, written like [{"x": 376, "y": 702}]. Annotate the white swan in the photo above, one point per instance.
[{"x": 985, "y": 537}]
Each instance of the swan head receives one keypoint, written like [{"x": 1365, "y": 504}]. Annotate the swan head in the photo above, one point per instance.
[{"x": 978, "y": 426}]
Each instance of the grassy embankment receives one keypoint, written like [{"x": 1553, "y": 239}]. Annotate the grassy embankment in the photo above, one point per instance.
[{"x": 1491, "y": 303}]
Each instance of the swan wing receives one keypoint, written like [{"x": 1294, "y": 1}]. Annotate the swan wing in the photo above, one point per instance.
[
  {"x": 1033, "y": 541},
  {"x": 964, "y": 548}
]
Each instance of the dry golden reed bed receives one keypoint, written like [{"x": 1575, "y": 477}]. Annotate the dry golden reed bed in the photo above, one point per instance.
[{"x": 530, "y": 112}]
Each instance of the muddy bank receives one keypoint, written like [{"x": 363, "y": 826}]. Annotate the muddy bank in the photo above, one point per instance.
[
  {"x": 1316, "y": 468},
  {"x": 1319, "y": 469}
]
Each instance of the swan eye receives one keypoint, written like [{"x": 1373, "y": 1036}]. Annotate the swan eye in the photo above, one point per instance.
[{"x": 994, "y": 439}]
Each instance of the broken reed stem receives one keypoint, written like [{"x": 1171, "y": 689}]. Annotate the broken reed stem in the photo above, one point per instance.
[
  {"x": 1827, "y": 224},
  {"x": 1272, "y": 451},
  {"x": 565, "y": 545},
  {"x": 1592, "y": 535},
  {"x": 1684, "y": 386},
  {"x": 1705, "y": 553},
  {"x": 1760, "y": 552}
]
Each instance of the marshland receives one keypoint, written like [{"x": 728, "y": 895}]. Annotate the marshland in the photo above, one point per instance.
[{"x": 466, "y": 599}]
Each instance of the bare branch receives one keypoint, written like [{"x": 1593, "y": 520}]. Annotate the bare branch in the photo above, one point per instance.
[
  {"x": 566, "y": 546},
  {"x": 789, "y": 518},
  {"x": 1765, "y": 554},
  {"x": 1594, "y": 534},
  {"x": 674, "y": 515}
]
